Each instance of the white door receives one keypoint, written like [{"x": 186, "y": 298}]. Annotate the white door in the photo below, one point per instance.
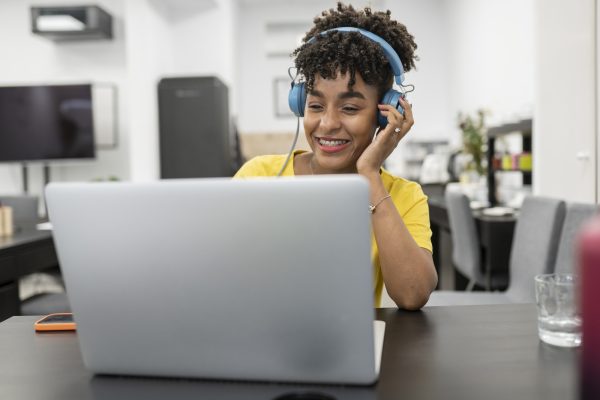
[{"x": 564, "y": 132}]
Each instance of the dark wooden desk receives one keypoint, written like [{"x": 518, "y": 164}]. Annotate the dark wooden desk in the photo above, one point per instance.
[
  {"x": 27, "y": 251},
  {"x": 495, "y": 235},
  {"x": 462, "y": 352}
]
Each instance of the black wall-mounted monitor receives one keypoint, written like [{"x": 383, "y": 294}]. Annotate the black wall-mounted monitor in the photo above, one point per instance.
[{"x": 50, "y": 122}]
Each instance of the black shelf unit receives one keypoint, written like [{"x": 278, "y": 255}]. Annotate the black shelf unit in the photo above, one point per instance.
[
  {"x": 523, "y": 127},
  {"x": 97, "y": 23}
]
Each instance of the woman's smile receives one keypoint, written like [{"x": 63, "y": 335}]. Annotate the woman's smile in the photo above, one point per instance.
[{"x": 332, "y": 145}]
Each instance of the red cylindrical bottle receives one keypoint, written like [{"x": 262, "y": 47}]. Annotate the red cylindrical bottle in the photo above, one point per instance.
[{"x": 589, "y": 260}]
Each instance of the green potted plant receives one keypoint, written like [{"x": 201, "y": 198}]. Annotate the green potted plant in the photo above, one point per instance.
[{"x": 474, "y": 140}]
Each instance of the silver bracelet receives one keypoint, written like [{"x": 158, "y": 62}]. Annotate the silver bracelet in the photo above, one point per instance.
[{"x": 373, "y": 207}]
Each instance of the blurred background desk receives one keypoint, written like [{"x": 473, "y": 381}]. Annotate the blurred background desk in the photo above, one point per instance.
[
  {"x": 496, "y": 235},
  {"x": 27, "y": 250},
  {"x": 455, "y": 352}
]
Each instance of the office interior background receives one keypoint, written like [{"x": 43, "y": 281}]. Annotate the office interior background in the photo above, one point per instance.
[
  {"x": 517, "y": 59},
  {"x": 531, "y": 64}
]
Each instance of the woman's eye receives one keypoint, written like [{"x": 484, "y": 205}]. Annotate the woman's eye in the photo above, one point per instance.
[
  {"x": 315, "y": 107},
  {"x": 349, "y": 109}
]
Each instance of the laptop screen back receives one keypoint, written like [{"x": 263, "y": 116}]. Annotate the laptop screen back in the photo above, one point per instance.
[{"x": 266, "y": 279}]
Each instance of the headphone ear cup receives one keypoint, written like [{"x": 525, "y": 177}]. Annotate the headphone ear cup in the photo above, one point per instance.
[
  {"x": 297, "y": 99},
  {"x": 392, "y": 98}
]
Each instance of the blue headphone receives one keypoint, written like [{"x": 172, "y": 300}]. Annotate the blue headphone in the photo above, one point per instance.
[{"x": 297, "y": 95}]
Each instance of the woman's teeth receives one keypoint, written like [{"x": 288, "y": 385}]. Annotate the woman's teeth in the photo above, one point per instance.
[{"x": 332, "y": 142}]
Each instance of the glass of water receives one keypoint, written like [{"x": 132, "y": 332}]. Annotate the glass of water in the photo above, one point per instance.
[{"x": 559, "y": 319}]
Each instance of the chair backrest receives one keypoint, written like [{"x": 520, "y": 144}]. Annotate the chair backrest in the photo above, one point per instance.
[
  {"x": 577, "y": 215},
  {"x": 465, "y": 241},
  {"x": 25, "y": 208},
  {"x": 535, "y": 244}
]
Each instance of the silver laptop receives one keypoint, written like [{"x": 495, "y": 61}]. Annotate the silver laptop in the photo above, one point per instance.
[{"x": 263, "y": 279}]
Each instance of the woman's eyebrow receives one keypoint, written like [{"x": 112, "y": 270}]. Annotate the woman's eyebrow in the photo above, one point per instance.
[
  {"x": 352, "y": 94},
  {"x": 316, "y": 93},
  {"x": 342, "y": 96}
]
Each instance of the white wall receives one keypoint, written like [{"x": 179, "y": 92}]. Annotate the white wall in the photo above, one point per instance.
[
  {"x": 148, "y": 57},
  {"x": 428, "y": 23},
  {"x": 491, "y": 58},
  {"x": 202, "y": 43}
]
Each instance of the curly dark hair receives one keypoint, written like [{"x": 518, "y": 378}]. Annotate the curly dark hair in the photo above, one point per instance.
[{"x": 350, "y": 51}]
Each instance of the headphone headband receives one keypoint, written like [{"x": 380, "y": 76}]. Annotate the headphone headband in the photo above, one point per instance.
[
  {"x": 297, "y": 95},
  {"x": 388, "y": 50}
]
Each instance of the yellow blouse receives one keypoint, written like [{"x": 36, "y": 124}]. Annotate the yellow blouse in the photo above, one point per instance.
[{"x": 409, "y": 199}]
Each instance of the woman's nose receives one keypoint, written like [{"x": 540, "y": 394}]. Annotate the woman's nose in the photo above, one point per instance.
[{"x": 330, "y": 119}]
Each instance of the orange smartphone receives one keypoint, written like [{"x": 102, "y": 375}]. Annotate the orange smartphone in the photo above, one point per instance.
[{"x": 56, "y": 322}]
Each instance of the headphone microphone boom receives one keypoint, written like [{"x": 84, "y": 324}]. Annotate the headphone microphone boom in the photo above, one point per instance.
[{"x": 297, "y": 95}]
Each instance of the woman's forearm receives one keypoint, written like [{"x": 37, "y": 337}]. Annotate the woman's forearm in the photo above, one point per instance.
[{"x": 407, "y": 269}]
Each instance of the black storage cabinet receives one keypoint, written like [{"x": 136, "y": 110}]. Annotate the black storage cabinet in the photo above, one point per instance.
[{"x": 195, "y": 131}]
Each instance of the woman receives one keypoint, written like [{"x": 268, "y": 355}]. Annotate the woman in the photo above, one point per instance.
[{"x": 345, "y": 77}]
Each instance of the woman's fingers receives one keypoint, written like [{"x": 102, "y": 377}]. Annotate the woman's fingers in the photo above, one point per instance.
[
  {"x": 398, "y": 124},
  {"x": 408, "y": 114}
]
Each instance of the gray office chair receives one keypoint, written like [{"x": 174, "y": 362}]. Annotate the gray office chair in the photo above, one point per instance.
[
  {"x": 25, "y": 214},
  {"x": 466, "y": 253},
  {"x": 576, "y": 216},
  {"x": 533, "y": 252}
]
